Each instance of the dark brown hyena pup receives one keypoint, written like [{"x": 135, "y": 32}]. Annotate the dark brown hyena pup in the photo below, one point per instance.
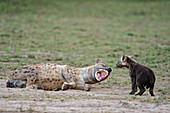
[{"x": 141, "y": 76}]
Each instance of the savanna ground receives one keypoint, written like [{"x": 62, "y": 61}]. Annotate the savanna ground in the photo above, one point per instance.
[{"x": 75, "y": 32}]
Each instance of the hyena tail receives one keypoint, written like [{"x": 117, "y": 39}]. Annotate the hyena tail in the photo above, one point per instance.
[{"x": 15, "y": 84}]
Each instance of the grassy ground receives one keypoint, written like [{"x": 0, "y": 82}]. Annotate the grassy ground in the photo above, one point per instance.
[{"x": 76, "y": 32}]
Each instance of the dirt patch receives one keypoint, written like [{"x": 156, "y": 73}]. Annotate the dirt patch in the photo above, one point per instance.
[{"x": 99, "y": 99}]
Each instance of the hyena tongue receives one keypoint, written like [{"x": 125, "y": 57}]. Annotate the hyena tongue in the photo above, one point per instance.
[{"x": 101, "y": 75}]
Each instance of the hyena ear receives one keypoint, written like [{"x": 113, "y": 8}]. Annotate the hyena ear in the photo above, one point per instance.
[
  {"x": 131, "y": 56},
  {"x": 123, "y": 58},
  {"x": 98, "y": 60}
]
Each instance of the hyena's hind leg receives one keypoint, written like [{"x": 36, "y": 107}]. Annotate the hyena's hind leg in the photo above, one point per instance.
[
  {"x": 15, "y": 84},
  {"x": 31, "y": 81},
  {"x": 19, "y": 77},
  {"x": 142, "y": 90},
  {"x": 151, "y": 89}
]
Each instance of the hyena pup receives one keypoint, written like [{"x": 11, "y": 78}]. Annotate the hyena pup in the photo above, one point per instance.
[{"x": 141, "y": 76}]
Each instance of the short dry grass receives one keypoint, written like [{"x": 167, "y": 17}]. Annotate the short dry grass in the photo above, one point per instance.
[{"x": 76, "y": 32}]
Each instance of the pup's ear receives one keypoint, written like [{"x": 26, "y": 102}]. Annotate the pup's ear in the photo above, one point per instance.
[
  {"x": 98, "y": 60},
  {"x": 123, "y": 58},
  {"x": 131, "y": 56}
]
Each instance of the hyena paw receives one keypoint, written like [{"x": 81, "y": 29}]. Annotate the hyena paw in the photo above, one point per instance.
[
  {"x": 64, "y": 87},
  {"x": 132, "y": 93},
  {"x": 19, "y": 84},
  {"x": 32, "y": 87},
  {"x": 137, "y": 94},
  {"x": 86, "y": 87}
]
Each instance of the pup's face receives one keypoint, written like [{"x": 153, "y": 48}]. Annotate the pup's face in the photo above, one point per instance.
[
  {"x": 123, "y": 62},
  {"x": 101, "y": 71}
]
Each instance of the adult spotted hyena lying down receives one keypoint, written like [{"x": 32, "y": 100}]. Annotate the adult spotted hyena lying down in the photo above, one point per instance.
[
  {"x": 50, "y": 76},
  {"x": 141, "y": 76}
]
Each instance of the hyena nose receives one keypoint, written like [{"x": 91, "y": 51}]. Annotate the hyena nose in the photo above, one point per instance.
[{"x": 109, "y": 70}]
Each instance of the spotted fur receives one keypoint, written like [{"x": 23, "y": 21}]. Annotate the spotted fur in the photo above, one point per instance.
[{"x": 50, "y": 76}]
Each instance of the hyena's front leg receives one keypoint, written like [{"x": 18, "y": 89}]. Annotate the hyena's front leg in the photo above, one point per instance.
[
  {"x": 73, "y": 85},
  {"x": 67, "y": 85},
  {"x": 134, "y": 86},
  {"x": 85, "y": 87}
]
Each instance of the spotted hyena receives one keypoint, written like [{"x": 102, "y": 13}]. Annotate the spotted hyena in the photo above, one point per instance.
[
  {"x": 141, "y": 76},
  {"x": 50, "y": 76}
]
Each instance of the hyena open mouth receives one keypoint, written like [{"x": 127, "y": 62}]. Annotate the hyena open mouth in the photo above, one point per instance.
[{"x": 101, "y": 74}]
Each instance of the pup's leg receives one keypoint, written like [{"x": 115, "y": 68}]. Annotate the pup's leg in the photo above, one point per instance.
[
  {"x": 151, "y": 90},
  {"x": 67, "y": 85},
  {"x": 142, "y": 90},
  {"x": 134, "y": 86}
]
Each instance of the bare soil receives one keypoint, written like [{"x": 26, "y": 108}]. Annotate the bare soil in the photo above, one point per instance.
[{"x": 99, "y": 99}]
